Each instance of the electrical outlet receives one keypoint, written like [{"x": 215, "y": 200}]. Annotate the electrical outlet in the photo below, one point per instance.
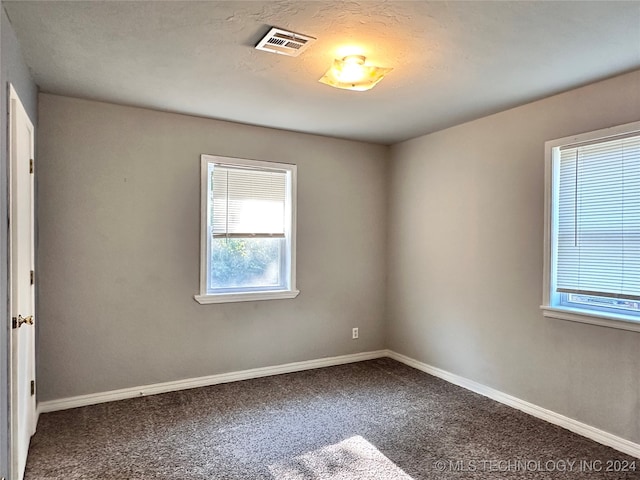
[{"x": 354, "y": 333}]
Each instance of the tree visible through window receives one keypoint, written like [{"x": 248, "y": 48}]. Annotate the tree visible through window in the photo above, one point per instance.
[{"x": 246, "y": 262}]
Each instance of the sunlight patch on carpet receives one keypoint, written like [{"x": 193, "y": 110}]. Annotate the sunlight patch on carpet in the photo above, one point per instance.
[{"x": 351, "y": 459}]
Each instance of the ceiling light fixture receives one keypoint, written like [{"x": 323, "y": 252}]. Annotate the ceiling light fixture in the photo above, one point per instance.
[{"x": 351, "y": 73}]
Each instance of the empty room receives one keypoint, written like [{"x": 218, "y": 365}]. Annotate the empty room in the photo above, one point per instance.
[{"x": 320, "y": 240}]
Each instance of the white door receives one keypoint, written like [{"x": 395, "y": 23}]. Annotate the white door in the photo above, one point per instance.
[{"x": 21, "y": 248}]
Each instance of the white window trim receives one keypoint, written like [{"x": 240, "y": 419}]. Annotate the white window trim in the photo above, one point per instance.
[
  {"x": 619, "y": 321},
  {"x": 209, "y": 298}
]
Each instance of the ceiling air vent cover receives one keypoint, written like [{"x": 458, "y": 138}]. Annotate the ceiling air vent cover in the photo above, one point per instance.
[{"x": 284, "y": 42}]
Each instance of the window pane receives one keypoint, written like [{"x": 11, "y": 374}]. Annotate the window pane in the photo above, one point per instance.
[
  {"x": 598, "y": 229},
  {"x": 605, "y": 304},
  {"x": 246, "y": 263}
]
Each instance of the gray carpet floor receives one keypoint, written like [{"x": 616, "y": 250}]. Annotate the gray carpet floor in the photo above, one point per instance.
[{"x": 370, "y": 420}]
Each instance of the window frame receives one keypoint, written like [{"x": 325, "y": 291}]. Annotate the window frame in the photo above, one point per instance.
[
  {"x": 551, "y": 306},
  {"x": 289, "y": 263}
]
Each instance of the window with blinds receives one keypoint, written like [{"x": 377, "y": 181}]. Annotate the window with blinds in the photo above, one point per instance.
[
  {"x": 248, "y": 242},
  {"x": 248, "y": 202},
  {"x": 596, "y": 225}
]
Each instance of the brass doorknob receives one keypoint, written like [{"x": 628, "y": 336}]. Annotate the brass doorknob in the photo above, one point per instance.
[{"x": 28, "y": 320}]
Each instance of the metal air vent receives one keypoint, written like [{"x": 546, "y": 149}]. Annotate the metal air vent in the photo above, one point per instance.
[{"x": 284, "y": 42}]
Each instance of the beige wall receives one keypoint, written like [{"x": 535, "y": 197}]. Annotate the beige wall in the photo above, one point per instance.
[
  {"x": 465, "y": 261},
  {"x": 118, "y": 210}
]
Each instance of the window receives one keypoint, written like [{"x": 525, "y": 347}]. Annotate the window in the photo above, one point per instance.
[
  {"x": 248, "y": 237},
  {"x": 592, "y": 228}
]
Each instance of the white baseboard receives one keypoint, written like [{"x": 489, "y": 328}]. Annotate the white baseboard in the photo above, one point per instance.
[
  {"x": 124, "y": 393},
  {"x": 593, "y": 433}
]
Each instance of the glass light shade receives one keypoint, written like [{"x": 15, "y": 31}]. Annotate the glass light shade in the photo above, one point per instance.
[{"x": 351, "y": 73}]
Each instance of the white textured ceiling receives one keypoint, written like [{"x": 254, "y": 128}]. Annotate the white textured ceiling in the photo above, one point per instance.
[{"x": 452, "y": 61}]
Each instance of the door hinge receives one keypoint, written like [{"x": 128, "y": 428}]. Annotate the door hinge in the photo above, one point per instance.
[
  {"x": 33, "y": 387},
  {"x": 31, "y": 165},
  {"x": 32, "y": 277},
  {"x": 14, "y": 322}
]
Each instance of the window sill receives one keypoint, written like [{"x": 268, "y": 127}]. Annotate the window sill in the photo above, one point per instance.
[
  {"x": 245, "y": 297},
  {"x": 602, "y": 319}
]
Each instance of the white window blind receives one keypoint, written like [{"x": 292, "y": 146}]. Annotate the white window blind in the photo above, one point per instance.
[
  {"x": 598, "y": 235},
  {"x": 248, "y": 202}
]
